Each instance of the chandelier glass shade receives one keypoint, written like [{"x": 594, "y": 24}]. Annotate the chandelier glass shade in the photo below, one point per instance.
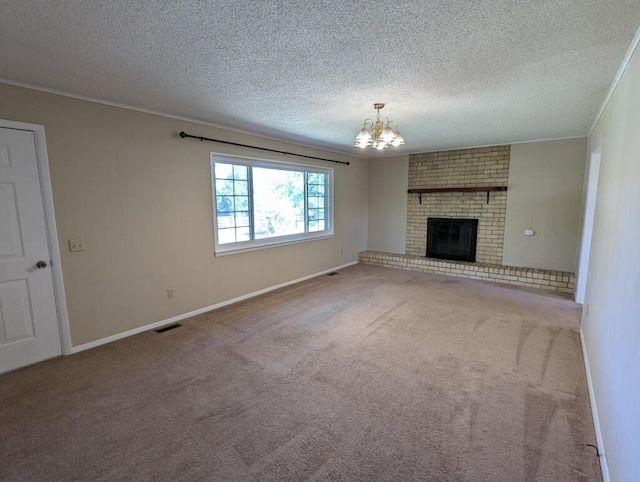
[{"x": 379, "y": 134}]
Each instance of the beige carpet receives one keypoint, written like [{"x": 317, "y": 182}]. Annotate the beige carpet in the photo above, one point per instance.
[{"x": 372, "y": 374}]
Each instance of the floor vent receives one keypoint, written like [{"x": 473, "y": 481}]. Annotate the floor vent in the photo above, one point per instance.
[
  {"x": 168, "y": 327},
  {"x": 332, "y": 273}
]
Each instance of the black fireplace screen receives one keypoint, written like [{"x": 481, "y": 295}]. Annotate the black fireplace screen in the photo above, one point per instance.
[{"x": 452, "y": 238}]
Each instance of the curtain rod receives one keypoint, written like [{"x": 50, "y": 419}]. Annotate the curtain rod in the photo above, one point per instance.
[{"x": 184, "y": 135}]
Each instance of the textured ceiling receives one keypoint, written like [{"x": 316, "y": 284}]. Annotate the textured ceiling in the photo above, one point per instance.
[{"x": 452, "y": 73}]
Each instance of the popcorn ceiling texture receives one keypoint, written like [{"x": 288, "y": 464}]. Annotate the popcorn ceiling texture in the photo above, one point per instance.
[
  {"x": 488, "y": 166},
  {"x": 453, "y": 74}
]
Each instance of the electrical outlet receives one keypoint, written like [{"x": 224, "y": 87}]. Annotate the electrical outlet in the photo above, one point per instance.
[
  {"x": 77, "y": 245},
  {"x": 170, "y": 293}
]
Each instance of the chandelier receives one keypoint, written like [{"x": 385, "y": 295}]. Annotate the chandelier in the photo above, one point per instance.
[{"x": 378, "y": 135}]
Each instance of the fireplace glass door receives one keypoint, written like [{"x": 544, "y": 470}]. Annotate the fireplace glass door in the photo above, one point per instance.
[{"x": 453, "y": 239}]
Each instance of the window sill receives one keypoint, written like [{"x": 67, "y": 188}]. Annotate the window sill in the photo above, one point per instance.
[{"x": 274, "y": 244}]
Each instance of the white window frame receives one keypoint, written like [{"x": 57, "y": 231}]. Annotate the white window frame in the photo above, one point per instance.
[{"x": 255, "y": 244}]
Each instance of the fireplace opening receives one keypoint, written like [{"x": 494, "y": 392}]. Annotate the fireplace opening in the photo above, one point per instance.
[{"x": 453, "y": 239}]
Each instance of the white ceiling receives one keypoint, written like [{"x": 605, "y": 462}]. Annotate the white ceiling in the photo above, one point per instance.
[{"x": 452, "y": 73}]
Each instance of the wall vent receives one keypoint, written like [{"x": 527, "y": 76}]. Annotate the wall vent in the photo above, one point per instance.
[{"x": 168, "y": 327}]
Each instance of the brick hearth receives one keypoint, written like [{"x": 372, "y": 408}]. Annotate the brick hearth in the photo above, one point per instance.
[{"x": 558, "y": 281}]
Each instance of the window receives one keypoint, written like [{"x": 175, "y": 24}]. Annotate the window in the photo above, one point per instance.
[{"x": 260, "y": 203}]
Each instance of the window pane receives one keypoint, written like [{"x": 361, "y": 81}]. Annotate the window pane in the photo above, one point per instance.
[
  {"x": 240, "y": 172},
  {"x": 242, "y": 219},
  {"x": 242, "y": 203},
  {"x": 278, "y": 202},
  {"x": 232, "y": 202},
  {"x": 224, "y": 187},
  {"x": 316, "y": 214},
  {"x": 241, "y": 188},
  {"x": 316, "y": 201},
  {"x": 243, "y": 234},
  {"x": 226, "y": 236},
  {"x": 224, "y": 204},
  {"x": 223, "y": 171},
  {"x": 225, "y": 220}
]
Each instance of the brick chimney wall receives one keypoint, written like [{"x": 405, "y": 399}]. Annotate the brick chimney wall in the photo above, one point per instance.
[{"x": 485, "y": 166}]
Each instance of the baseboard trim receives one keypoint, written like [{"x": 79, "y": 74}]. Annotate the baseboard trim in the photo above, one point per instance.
[
  {"x": 158, "y": 324},
  {"x": 594, "y": 412}
]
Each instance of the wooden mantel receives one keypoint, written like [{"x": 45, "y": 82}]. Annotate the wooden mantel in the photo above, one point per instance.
[{"x": 486, "y": 189}]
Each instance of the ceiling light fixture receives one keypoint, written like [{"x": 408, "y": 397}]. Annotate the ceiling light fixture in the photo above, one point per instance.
[{"x": 378, "y": 135}]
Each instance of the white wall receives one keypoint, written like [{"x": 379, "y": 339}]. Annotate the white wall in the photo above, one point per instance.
[
  {"x": 388, "y": 182},
  {"x": 545, "y": 195},
  {"x": 141, "y": 198},
  {"x": 611, "y": 314}
]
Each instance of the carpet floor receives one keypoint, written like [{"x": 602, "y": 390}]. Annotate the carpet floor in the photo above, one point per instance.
[{"x": 372, "y": 374}]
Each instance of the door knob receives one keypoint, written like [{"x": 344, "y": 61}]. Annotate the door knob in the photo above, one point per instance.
[{"x": 41, "y": 264}]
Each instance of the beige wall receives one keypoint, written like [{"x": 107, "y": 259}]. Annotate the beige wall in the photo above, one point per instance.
[
  {"x": 545, "y": 195},
  {"x": 388, "y": 181},
  {"x": 141, "y": 198},
  {"x": 611, "y": 314}
]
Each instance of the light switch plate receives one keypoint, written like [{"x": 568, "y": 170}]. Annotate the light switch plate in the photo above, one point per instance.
[{"x": 77, "y": 245}]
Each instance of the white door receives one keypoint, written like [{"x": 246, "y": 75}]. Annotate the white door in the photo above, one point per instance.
[{"x": 29, "y": 329}]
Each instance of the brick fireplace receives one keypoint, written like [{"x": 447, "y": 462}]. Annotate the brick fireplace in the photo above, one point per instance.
[{"x": 462, "y": 168}]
